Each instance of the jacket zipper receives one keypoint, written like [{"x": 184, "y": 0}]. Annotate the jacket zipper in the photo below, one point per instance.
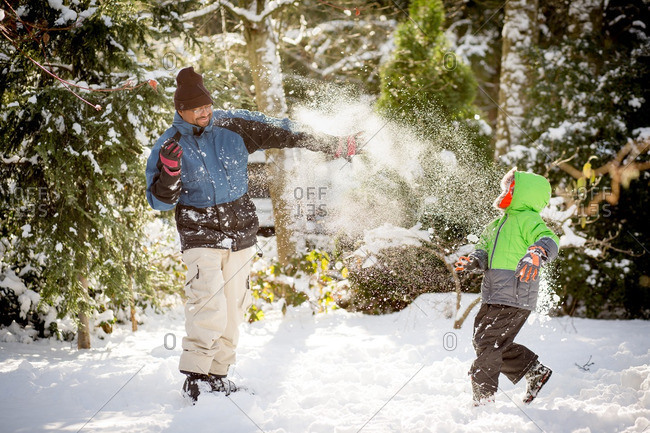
[{"x": 494, "y": 247}]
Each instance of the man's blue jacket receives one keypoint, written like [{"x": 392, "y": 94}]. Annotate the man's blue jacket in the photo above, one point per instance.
[{"x": 213, "y": 209}]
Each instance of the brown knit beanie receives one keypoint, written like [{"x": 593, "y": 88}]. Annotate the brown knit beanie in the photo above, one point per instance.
[{"x": 190, "y": 91}]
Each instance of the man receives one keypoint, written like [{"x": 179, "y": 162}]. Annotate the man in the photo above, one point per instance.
[{"x": 199, "y": 167}]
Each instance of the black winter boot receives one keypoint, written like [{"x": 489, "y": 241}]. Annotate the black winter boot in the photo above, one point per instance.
[
  {"x": 480, "y": 396},
  {"x": 219, "y": 383},
  {"x": 194, "y": 384},
  {"x": 536, "y": 377}
]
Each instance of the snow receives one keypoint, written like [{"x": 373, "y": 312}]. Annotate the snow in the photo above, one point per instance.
[
  {"x": 96, "y": 168},
  {"x": 387, "y": 236},
  {"x": 245, "y": 14},
  {"x": 27, "y": 230},
  {"x": 28, "y": 300},
  {"x": 336, "y": 372},
  {"x": 642, "y": 133},
  {"x": 12, "y": 282},
  {"x": 570, "y": 238},
  {"x": 67, "y": 14},
  {"x": 636, "y": 102}
]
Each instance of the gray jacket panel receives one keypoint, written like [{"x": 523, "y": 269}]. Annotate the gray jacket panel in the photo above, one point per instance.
[{"x": 501, "y": 286}]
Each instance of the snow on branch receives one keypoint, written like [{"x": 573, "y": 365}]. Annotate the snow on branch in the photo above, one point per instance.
[
  {"x": 224, "y": 40},
  {"x": 241, "y": 13}
]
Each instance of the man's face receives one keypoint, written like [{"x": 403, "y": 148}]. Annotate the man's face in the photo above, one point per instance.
[{"x": 198, "y": 116}]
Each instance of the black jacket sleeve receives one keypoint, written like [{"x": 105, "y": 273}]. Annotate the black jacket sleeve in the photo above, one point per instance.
[
  {"x": 261, "y": 135},
  {"x": 165, "y": 187}
]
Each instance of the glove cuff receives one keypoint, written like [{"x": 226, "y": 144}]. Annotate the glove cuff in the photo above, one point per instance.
[
  {"x": 540, "y": 251},
  {"x": 481, "y": 257},
  {"x": 171, "y": 172}
]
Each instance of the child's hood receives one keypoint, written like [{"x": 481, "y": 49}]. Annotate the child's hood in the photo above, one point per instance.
[{"x": 532, "y": 192}]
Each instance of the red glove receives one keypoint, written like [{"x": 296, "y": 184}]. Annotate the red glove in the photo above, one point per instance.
[
  {"x": 528, "y": 267},
  {"x": 352, "y": 142},
  {"x": 170, "y": 157}
]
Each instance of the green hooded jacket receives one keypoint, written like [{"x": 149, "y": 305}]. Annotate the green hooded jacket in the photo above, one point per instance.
[{"x": 506, "y": 240}]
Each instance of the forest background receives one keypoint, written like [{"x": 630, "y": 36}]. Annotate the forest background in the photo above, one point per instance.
[{"x": 465, "y": 89}]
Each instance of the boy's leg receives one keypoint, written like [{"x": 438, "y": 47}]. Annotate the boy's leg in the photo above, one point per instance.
[
  {"x": 495, "y": 328},
  {"x": 517, "y": 360},
  {"x": 205, "y": 308},
  {"x": 236, "y": 272}
]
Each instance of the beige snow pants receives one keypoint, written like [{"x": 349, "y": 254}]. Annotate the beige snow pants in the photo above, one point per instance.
[{"x": 218, "y": 297}]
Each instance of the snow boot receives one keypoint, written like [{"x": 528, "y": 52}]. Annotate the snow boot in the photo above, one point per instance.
[
  {"x": 536, "y": 377},
  {"x": 481, "y": 397},
  {"x": 194, "y": 384},
  {"x": 219, "y": 383}
]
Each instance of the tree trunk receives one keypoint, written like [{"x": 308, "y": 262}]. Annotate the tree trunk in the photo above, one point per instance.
[
  {"x": 585, "y": 18},
  {"x": 520, "y": 32},
  {"x": 265, "y": 66},
  {"x": 134, "y": 322},
  {"x": 83, "y": 331}
]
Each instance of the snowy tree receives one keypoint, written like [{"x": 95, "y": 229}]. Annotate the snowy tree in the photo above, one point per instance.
[
  {"x": 423, "y": 72},
  {"x": 427, "y": 90},
  {"x": 591, "y": 132},
  {"x": 474, "y": 33},
  {"x": 520, "y": 33},
  {"x": 425, "y": 86},
  {"x": 340, "y": 43},
  {"x": 78, "y": 106}
]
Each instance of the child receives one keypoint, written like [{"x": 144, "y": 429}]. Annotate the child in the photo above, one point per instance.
[{"x": 511, "y": 251}]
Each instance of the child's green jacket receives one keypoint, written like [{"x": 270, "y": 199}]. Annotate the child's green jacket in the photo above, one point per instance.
[{"x": 506, "y": 240}]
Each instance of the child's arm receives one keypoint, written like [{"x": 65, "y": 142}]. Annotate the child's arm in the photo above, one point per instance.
[
  {"x": 541, "y": 237},
  {"x": 543, "y": 249},
  {"x": 478, "y": 259}
]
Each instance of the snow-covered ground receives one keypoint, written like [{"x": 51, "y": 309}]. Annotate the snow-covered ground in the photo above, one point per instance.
[{"x": 335, "y": 372}]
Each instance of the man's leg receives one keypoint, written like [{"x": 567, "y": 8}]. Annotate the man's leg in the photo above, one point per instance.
[
  {"x": 236, "y": 272},
  {"x": 205, "y": 308}
]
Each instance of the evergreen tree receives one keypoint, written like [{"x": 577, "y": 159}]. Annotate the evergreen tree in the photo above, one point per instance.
[
  {"x": 474, "y": 32},
  {"x": 72, "y": 178},
  {"x": 592, "y": 93},
  {"x": 425, "y": 86},
  {"x": 423, "y": 73}
]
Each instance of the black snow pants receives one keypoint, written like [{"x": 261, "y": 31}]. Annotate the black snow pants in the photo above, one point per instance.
[{"x": 495, "y": 329}]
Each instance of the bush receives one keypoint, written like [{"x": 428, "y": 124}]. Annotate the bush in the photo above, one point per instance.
[
  {"x": 307, "y": 278},
  {"x": 394, "y": 279}
]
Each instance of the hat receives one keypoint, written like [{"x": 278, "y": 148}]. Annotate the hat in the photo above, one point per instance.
[
  {"x": 507, "y": 190},
  {"x": 190, "y": 91}
]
